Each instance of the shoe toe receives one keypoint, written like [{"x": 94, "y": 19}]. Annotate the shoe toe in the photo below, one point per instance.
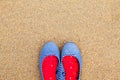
[
  {"x": 70, "y": 48},
  {"x": 49, "y": 48}
]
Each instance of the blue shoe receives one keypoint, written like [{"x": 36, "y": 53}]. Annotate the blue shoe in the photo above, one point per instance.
[
  {"x": 70, "y": 58},
  {"x": 49, "y": 60}
]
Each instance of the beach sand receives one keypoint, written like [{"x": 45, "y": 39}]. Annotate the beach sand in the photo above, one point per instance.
[{"x": 26, "y": 25}]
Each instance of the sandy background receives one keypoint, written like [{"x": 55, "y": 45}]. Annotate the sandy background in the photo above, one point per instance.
[{"x": 25, "y": 25}]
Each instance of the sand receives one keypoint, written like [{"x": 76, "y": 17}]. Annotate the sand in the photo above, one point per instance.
[{"x": 26, "y": 25}]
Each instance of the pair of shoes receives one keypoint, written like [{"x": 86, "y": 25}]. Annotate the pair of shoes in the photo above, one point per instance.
[{"x": 68, "y": 66}]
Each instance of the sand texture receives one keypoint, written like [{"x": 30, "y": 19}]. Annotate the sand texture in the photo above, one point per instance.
[{"x": 25, "y": 26}]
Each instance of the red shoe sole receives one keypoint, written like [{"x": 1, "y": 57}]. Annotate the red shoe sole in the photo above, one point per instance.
[
  {"x": 71, "y": 66},
  {"x": 49, "y": 67}
]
